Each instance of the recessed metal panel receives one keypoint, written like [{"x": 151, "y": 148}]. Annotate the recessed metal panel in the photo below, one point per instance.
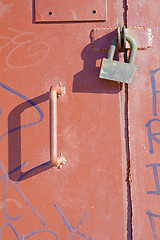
[{"x": 70, "y": 11}]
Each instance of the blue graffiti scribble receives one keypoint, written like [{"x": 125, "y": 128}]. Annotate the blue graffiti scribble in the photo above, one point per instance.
[
  {"x": 40, "y": 231},
  {"x": 151, "y": 136},
  {"x": 71, "y": 228},
  {"x": 155, "y": 173},
  {"x": 5, "y": 177},
  {"x": 5, "y": 193},
  {"x": 22, "y": 167},
  {"x": 29, "y": 101},
  {"x": 154, "y": 91},
  {"x": 151, "y": 215},
  {"x": 12, "y": 227},
  {"x": 27, "y": 235},
  {"x": 0, "y": 110},
  {"x": 43, "y": 165}
]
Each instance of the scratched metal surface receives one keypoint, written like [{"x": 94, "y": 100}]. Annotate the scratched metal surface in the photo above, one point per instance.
[
  {"x": 85, "y": 199},
  {"x": 117, "y": 71},
  {"x": 51, "y": 11},
  {"x": 144, "y": 127}
]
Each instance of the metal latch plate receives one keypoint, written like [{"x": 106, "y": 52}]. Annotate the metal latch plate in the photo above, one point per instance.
[
  {"x": 101, "y": 37},
  {"x": 70, "y": 10}
]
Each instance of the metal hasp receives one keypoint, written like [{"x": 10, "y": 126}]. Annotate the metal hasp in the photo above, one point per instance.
[
  {"x": 119, "y": 71},
  {"x": 57, "y": 159}
]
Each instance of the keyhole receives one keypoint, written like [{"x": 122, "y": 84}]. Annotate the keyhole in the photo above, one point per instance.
[
  {"x": 50, "y": 13},
  {"x": 94, "y": 11}
]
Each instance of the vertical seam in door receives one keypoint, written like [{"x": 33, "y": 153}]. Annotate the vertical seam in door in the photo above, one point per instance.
[
  {"x": 128, "y": 175},
  {"x": 126, "y": 117},
  {"x": 123, "y": 98},
  {"x": 125, "y": 7},
  {"x": 124, "y": 122}
]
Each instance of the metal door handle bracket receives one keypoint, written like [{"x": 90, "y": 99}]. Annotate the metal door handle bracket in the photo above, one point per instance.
[{"x": 57, "y": 159}]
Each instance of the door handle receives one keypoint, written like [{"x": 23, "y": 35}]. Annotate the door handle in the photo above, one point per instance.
[{"x": 57, "y": 159}]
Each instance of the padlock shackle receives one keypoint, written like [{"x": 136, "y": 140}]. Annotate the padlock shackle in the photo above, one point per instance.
[
  {"x": 133, "y": 48},
  {"x": 112, "y": 48}
]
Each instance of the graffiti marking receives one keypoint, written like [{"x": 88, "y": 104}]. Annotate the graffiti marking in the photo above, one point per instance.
[
  {"x": 39, "y": 50},
  {"x": 71, "y": 228}
]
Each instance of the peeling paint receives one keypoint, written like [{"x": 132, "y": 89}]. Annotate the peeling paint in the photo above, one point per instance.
[{"x": 150, "y": 37}]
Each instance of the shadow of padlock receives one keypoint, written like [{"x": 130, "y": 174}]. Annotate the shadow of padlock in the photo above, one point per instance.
[{"x": 120, "y": 71}]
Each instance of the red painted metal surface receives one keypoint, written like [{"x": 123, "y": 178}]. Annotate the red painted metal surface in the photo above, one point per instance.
[
  {"x": 57, "y": 159},
  {"x": 100, "y": 37},
  {"x": 85, "y": 199},
  {"x": 57, "y": 11},
  {"x": 144, "y": 106}
]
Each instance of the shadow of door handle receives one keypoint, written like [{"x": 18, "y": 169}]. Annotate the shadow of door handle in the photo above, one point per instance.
[{"x": 57, "y": 159}]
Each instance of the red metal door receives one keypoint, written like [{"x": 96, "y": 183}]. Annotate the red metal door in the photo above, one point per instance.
[
  {"x": 144, "y": 126},
  {"x": 86, "y": 199}
]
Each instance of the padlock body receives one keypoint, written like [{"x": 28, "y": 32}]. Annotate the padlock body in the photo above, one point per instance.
[{"x": 118, "y": 71}]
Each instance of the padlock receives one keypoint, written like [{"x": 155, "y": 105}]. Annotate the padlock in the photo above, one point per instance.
[{"x": 120, "y": 71}]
